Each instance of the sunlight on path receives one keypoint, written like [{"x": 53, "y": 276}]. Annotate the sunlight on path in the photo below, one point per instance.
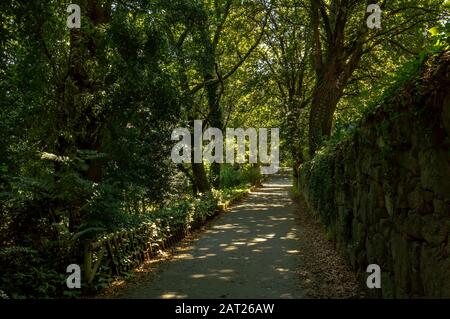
[{"x": 250, "y": 252}]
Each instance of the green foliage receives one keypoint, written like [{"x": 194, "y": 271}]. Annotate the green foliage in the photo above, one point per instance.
[
  {"x": 441, "y": 34},
  {"x": 28, "y": 273},
  {"x": 86, "y": 115},
  {"x": 186, "y": 212},
  {"x": 251, "y": 174},
  {"x": 85, "y": 123},
  {"x": 224, "y": 196},
  {"x": 380, "y": 121},
  {"x": 319, "y": 174},
  {"x": 189, "y": 213},
  {"x": 406, "y": 74},
  {"x": 232, "y": 176}
]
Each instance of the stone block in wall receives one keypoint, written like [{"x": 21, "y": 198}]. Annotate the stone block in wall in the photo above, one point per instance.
[
  {"x": 359, "y": 235},
  {"x": 412, "y": 226},
  {"x": 410, "y": 162},
  {"x": 377, "y": 250},
  {"x": 389, "y": 202},
  {"x": 404, "y": 189},
  {"x": 387, "y": 285},
  {"x": 400, "y": 136},
  {"x": 435, "y": 230},
  {"x": 385, "y": 226},
  {"x": 401, "y": 264},
  {"x": 446, "y": 114},
  {"x": 419, "y": 202},
  {"x": 435, "y": 172},
  {"x": 361, "y": 260},
  {"x": 434, "y": 271},
  {"x": 344, "y": 224},
  {"x": 376, "y": 215},
  {"x": 441, "y": 207},
  {"x": 416, "y": 280}
]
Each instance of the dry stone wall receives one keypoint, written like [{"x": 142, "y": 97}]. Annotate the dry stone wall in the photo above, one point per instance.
[{"x": 384, "y": 193}]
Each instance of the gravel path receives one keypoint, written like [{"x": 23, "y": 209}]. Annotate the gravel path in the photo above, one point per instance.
[{"x": 256, "y": 250}]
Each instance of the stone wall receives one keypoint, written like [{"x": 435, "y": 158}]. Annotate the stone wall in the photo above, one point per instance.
[{"x": 384, "y": 192}]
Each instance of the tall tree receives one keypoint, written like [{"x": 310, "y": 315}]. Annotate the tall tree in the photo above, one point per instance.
[
  {"x": 201, "y": 34},
  {"x": 341, "y": 38},
  {"x": 287, "y": 58}
]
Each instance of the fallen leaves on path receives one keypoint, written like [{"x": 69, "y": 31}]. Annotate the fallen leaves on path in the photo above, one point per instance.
[{"x": 324, "y": 273}]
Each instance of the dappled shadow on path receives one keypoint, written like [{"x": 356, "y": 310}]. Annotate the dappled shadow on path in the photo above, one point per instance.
[{"x": 250, "y": 252}]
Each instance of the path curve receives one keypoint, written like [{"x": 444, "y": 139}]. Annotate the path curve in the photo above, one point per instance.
[{"x": 252, "y": 251}]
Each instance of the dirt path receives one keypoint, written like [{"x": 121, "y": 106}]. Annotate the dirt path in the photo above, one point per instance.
[{"x": 254, "y": 251}]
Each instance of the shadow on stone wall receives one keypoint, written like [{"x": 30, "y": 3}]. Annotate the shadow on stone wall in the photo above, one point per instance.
[{"x": 384, "y": 193}]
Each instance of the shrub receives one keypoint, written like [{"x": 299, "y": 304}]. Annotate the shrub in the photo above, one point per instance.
[{"x": 232, "y": 176}]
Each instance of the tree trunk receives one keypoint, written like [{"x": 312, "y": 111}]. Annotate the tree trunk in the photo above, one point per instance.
[
  {"x": 199, "y": 173},
  {"x": 298, "y": 160},
  {"x": 216, "y": 120},
  {"x": 82, "y": 47},
  {"x": 325, "y": 99},
  {"x": 200, "y": 178},
  {"x": 213, "y": 93}
]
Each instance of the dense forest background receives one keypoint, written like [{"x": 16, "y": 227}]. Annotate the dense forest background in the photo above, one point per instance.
[{"x": 86, "y": 115}]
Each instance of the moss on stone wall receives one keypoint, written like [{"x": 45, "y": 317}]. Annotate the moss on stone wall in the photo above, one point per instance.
[{"x": 384, "y": 192}]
